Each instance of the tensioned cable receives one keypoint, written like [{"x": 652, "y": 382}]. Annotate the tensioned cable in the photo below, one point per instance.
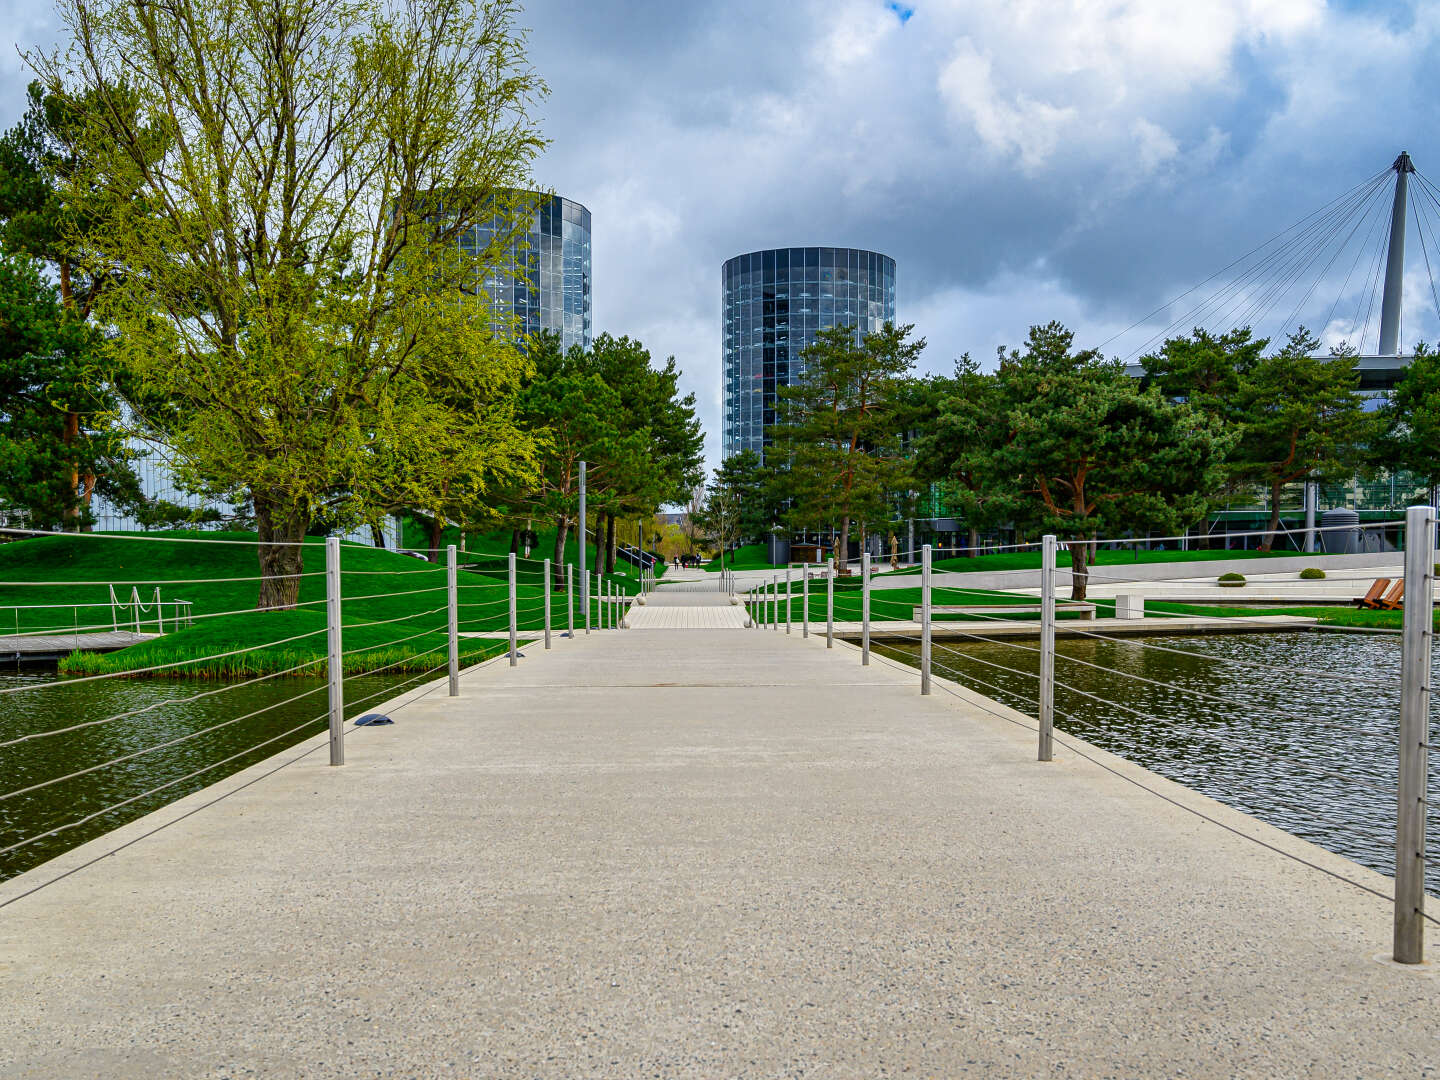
[
  {"x": 162, "y": 703},
  {"x": 169, "y": 581},
  {"x": 1361, "y": 250},
  {"x": 390, "y": 644},
  {"x": 398, "y": 618},
  {"x": 1174, "y": 300},
  {"x": 387, "y": 595},
  {"x": 1058, "y": 737},
  {"x": 318, "y": 544},
  {"x": 160, "y": 667},
  {"x": 159, "y": 746},
  {"x": 232, "y": 791},
  {"x": 1425, "y": 246},
  {"x": 1373, "y": 292}
]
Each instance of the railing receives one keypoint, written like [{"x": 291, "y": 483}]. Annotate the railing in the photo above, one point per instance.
[
  {"x": 423, "y": 620},
  {"x": 1014, "y": 660}
]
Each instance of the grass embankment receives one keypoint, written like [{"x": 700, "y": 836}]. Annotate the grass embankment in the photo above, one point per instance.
[
  {"x": 899, "y": 604},
  {"x": 483, "y": 548},
  {"x": 748, "y": 557},
  {"x": 392, "y": 605}
]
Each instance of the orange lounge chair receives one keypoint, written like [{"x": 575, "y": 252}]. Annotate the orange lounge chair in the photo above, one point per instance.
[
  {"x": 1372, "y": 598},
  {"x": 1394, "y": 600}
]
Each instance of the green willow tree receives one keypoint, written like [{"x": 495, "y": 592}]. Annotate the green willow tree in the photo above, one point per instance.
[
  {"x": 838, "y": 429},
  {"x": 290, "y": 275}
]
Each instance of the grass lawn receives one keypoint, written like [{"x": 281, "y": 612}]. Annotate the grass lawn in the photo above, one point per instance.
[
  {"x": 1030, "y": 560},
  {"x": 748, "y": 557},
  {"x": 899, "y": 604},
  {"x": 392, "y": 605},
  {"x": 486, "y": 547}
]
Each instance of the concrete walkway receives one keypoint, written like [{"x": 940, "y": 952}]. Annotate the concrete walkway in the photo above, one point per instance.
[{"x": 708, "y": 854}]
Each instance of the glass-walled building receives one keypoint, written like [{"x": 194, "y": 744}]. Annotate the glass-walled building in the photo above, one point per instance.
[
  {"x": 544, "y": 277},
  {"x": 774, "y": 302}
]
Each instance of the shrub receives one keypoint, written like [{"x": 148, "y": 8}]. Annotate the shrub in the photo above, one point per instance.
[
  {"x": 1311, "y": 573},
  {"x": 1232, "y": 580}
]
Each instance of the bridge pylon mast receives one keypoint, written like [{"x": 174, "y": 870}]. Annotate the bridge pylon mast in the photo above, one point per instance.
[{"x": 1395, "y": 260}]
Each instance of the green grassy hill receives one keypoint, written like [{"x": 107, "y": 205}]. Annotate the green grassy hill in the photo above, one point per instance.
[
  {"x": 483, "y": 547},
  {"x": 392, "y": 605}
]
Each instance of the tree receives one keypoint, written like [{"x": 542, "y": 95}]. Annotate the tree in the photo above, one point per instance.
[
  {"x": 1299, "y": 418},
  {"x": 964, "y": 446},
  {"x": 1091, "y": 451},
  {"x": 838, "y": 430},
  {"x": 721, "y": 516},
  {"x": 1411, "y": 418},
  {"x": 290, "y": 274},
  {"x": 58, "y": 440},
  {"x": 749, "y": 480}
]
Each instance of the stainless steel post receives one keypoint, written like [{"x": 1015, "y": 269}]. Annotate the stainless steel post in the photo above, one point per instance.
[
  {"x": 805, "y": 600},
  {"x": 865, "y": 608},
  {"x": 775, "y": 603},
  {"x": 584, "y": 578},
  {"x": 1414, "y": 742},
  {"x": 787, "y": 599},
  {"x": 333, "y": 668},
  {"x": 570, "y": 600},
  {"x": 1047, "y": 647},
  {"x": 513, "y": 654},
  {"x": 925, "y": 619},
  {"x": 547, "y": 603},
  {"x": 830, "y": 604},
  {"x": 452, "y": 593}
]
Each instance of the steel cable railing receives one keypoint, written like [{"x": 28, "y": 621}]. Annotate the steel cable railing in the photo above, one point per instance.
[{"x": 894, "y": 622}]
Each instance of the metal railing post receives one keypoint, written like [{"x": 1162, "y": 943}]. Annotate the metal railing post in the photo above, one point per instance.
[
  {"x": 334, "y": 665},
  {"x": 452, "y": 594},
  {"x": 1047, "y": 647},
  {"x": 513, "y": 654},
  {"x": 865, "y": 609},
  {"x": 775, "y": 603},
  {"x": 925, "y": 619},
  {"x": 830, "y": 604},
  {"x": 805, "y": 600},
  {"x": 570, "y": 600},
  {"x": 787, "y": 600},
  {"x": 1417, "y": 636},
  {"x": 547, "y": 603}
]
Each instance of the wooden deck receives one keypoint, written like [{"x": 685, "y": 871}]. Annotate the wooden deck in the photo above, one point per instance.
[{"x": 45, "y": 648}]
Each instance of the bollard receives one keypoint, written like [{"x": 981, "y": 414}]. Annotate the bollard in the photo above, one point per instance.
[
  {"x": 547, "y": 603},
  {"x": 452, "y": 593},
  {"x": 1047, "y": 647},
  {"x": 334, "y": 667},
  {"x": 805, "y": 600},
  {"x": 830, "y": 604},
  {"x": 1415, "y": 643},
  {"x": 513, "y": 654},
  {"x": 865, "y": 609},
  {"x": 570, "y": 601},
  {"x": 925, "y": 619}
]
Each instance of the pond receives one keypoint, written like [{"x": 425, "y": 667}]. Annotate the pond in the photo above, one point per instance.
[
  {"x": 277, "y": 713},
  {"x": 1298, "y": 730}
]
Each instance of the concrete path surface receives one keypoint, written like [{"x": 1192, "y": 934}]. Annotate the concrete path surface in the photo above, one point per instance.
[{"x": 704, "y": 854}]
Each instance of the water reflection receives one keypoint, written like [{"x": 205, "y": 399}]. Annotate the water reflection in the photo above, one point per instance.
[{"x": 1297, "y": 729}]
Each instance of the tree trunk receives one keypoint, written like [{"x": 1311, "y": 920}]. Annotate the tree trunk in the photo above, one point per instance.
[
  {"x": 973, "y": 539},
  {"x": 377, "y": 536},
  {"x": 842, "y": 549},
  {"x": 611, "y": 549},
  {"x": 437, "y": 533},
  {"x": 1268, "y": 540},
  {"x": 557, "y": 566},
  {"x": 1079, "y": 568},
  {"x": 514, "y": 541},
  {"x": 281, "y": 528}
]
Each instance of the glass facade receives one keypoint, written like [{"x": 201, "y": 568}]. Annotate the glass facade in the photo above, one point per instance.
[
  {"x": 773, "y": 304},
  {"x": 544, "y": 277}
]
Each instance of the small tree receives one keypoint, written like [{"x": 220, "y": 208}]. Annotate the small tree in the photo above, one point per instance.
[
  {"x": 1094, "y": 452},
  {"x": 838, "y": 429},
  {"x": 1411, "y": 418},
  {"x": 1299, "y": 418}
]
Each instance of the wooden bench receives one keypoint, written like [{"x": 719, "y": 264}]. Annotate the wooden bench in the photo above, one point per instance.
[{"x": 1087, "y": 611}]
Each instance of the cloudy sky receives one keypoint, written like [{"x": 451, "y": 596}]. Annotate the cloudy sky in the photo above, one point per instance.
[{"x": 1022, "y": 160}]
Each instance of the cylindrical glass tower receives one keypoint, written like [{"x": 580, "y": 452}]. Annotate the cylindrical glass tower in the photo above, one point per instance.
[
  {"x": 545, "y": 280},
  {"x": 773, "y": 304}
]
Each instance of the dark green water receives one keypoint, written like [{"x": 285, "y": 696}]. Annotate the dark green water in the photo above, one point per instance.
[
  {"x": 1306, "y": 742},
  {"x": 278, "y": 713}
]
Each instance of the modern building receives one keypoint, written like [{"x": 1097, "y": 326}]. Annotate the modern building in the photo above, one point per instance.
[
  {"x": 773, "y": 303},
  {"x": 544, "y": 277}
]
